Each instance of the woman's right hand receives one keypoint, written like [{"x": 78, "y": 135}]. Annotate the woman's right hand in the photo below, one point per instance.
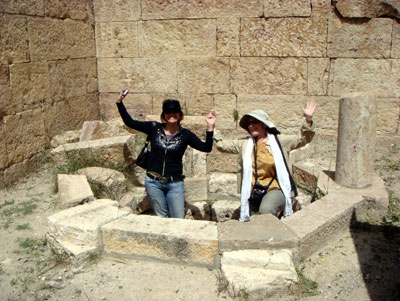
[{"x": 121, "y": 95}]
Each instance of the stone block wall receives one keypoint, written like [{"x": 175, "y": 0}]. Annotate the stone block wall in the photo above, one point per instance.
[{"x": 48, "y": 77}]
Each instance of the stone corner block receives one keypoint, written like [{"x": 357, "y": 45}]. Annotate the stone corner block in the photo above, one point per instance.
[
  {"x": 73, "y": 190},
  {"x": 224, "y": 210}
]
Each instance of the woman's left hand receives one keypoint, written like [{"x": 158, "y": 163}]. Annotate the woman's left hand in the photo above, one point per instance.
[
  {"x": 309, "y": 109},
  {"x": 210, "y": 119}
]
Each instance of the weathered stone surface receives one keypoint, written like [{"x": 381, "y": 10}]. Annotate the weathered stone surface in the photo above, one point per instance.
[
  {"x": 221, "y": 162},
  {"x": 197, "y": 105},
  {"x": 66, "y": 137},
  {"x": 359, "y": 38},
  {"x": 196, "y": 189},
  {"x": 75, "y": 231},
  {"x": 223, "y": 184},
  {"x": 74, "y": 9},
  {"x": 318, "y": 76},
  {"x": 197, "y": 211},
  {"x": 6, "y": 105},
  {"x": 72, "y": 78},
  {"x": 112, "y": 182},
  {"x": 396, "y": 40},
  {"x": 257, "y": 274},
  {"x": 60, "y": 39},
  {"x": 228, "y": 36},
  {"x": 387, "y": 119},
  {"x": 283, "y": 36},
  {"x": 306, "y": 175},
  {"x": 73, "y": 190},
  {"x": 225, "y": 108},
  {"x": 30, "y": 85},
  {"x": 13, "y": 39},
  {"x": 3, "y": 147},
  {"x": 117, "y": 39},
  {"x": 97, "y": 129},
  {"x": 264, "y": 231},
  {"x": 333, "y": 213},
  {"x": 266, "y": 75},
  {"x": 356, "y": 140},
  {"x": 151, "y": 75},
  {"x": 116, "y": 10},
  {"x": 379, "y": 76},
  {"x": 172, "y": 239},
  {"x": 203, "y": 9},
  {"x": 326, "y": 117},
  {"x": 203, "y": 75},
  {"x": 70, "y": 113},
  {"x": 115, "y": 151},
  {"x": 301, "y": 154},
  {"x": 137, "y": 200},
  {"x": 222, "y": 211},
  {"x": 194, "y": 163},
  {"x": 28, "y": 7},
  {"x": 367, "y": 8},
  {"x": 321, "y": 6},
  {"x": 24, "y": 135},
  {"x": 291, "y": 8},
  {"x": 178, "y": 38}
]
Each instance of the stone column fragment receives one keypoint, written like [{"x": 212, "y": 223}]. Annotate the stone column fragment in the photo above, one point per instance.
[{"x": 356, "y": 139}]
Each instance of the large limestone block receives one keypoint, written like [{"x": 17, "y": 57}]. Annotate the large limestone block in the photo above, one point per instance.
[
  {"x": 76, "y": 231},
  {"x": 196, "y": 189},
  {"x": 264, "y": 231},
  {"x": 73, "y": 190},
  {"x": 333, "y": 213},
  {"x": 225, "y": 108},
  {"x": 115, "y": 151},
  {"x": 111, "y": 183},
  {"x": 318, "y": 76},
  {"x": 117, "y": 39},
  {"x": 142, "y": 75},
  {"x": 222, "y": 210},
  {"x": 379, "y": 76},
  {"x": 257, "y": 274},
  {"x": 197, "y": 105},
  {"x": 170, "y": 239},
  {"x": 7, "y": 106},
  {"x": 27, "y": 7},
  {"x": 396, "y": 40},
  {"x": 203, "y": 75},
  {"x": 221, "y": 162},
  {"x": 367, "y": 8},
  {"x": 3, "y": 148},
  {"x": 74, "y": 9},
  {"x": 264, "y": 75},
  {"x": 291, "y": 8},
  {"x": 13, "y": 39},
  {"x": 387, "y": 120},
  {"x": 228, "y": 30},
  {"x": 201, "y": 9},
  {"x": 224, "y": 184},
  {"x": 116, "y": 10},
  {"x": 283, "y": 36},
  {"x": 30, "y": 85},
  {"x": 72, "y": 78},
  {"x": 66, "y": 137},
  {"x": 178, "y": 38},
  {"x": 360, "y": 39},
  {"x": 97, "y": 129},
  {"x": 24, "y": 135},
  {"x": 197, "y": 211}
]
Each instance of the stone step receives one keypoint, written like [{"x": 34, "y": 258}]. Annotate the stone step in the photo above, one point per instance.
[
  {"x": 178, "y": 240},
  {"x": 76, "y": 231}
]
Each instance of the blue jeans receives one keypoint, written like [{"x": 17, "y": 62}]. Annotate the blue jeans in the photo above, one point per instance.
[{"x": 168, "y": 196}]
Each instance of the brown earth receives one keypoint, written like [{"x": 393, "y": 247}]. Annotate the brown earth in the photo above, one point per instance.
[{"x": 361, "y": 264}]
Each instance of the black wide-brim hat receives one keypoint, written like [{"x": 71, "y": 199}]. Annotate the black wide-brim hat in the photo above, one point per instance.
[{"x": 171, "y": 106}]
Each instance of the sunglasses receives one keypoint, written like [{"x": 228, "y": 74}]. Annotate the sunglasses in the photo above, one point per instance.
[{"x": 253, "y": 122}]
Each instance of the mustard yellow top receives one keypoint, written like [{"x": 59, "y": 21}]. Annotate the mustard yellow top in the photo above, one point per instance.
[{"x": 265, "y": 167}]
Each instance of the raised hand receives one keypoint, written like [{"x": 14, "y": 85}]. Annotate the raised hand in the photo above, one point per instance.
[
  {"x": 122, "y": 95},
  {"x": 210, "y": 119},
  {"x": 309, "y": 109}
]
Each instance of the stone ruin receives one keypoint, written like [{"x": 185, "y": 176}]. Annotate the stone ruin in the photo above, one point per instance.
[{"x": 258, "y": 257}]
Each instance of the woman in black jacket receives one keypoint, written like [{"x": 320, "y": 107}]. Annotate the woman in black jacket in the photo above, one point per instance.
[{"x": 164, "y": 176}]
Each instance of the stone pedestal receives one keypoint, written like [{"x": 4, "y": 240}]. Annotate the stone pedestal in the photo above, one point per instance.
[{"x": 356, "y": 140}]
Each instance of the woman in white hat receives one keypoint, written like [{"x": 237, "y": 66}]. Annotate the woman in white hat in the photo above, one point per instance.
[{"x": 266, "y": 183}]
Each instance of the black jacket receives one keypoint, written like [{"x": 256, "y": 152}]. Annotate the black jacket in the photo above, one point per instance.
[{"x": 166, "y": 156}]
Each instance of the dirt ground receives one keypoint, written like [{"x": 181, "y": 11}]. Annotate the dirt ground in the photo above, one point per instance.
[{"x": 361, "y": 264}]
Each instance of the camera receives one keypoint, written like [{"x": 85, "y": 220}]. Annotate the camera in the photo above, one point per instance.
[
  {"x": 125, "y": 92},
  {"x": 256, "y": 196}
]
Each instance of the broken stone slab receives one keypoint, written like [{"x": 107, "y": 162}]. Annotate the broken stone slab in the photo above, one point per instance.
[
  {"x": 137, "y": 200},
  {"x": 97, "y": 129},
  {"x": 368, "y": 9},
  {"x": 167, "y": 239},
  {"x": 263, "y": 231},
  {"x": 115, "y": 151},
  {"x": 257, "y": 274},
  {"x": 112, "y": 182},
  {"x": 311, "y": 177},
  {"x": 225, "y": 210},
  {"x": 66, "y": 137},
  {"x": 75, "y": 231},
  {"x": 323, "y": 219},
  {"x": 198, "y": 211},
  {"x": 73, "y": 190}
]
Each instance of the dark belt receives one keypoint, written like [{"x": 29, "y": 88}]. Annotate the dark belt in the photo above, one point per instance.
[{"x": 165, "y": 179}]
